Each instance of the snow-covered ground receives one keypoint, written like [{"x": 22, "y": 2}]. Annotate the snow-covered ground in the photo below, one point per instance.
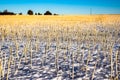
[{"x": 65, "y": 61}]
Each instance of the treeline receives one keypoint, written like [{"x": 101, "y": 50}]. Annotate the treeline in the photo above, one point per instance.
[
  {"x": 29, "y": 12},
  {"x": 5, "y": 12}
]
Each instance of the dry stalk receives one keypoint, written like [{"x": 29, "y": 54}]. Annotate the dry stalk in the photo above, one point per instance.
[{"x": 9, "y": 63}]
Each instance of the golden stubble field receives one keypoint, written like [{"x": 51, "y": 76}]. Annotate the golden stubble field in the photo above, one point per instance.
[
  {"x": 70, "y": 23},
  {"x": 60, "y": 47}
]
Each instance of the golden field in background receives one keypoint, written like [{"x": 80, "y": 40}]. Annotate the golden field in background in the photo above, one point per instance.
[{"x": 29, "y": 23}]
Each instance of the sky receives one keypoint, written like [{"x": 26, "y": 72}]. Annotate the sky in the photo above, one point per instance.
[{"x": 62, "y": 6}]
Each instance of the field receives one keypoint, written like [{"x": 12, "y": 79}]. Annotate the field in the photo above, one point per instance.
[{"x": 83, "y": 47}]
